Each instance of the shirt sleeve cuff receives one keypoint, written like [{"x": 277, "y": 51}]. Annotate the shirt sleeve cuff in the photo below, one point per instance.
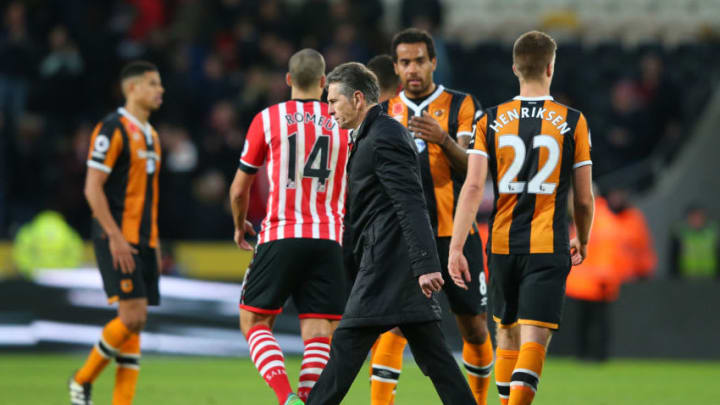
[
  {"x": 247, "y": 167},
  {"x": 99, "y": 166},
  {"x": 476, "y": 152},
  {"x": 581, "y": 164}
]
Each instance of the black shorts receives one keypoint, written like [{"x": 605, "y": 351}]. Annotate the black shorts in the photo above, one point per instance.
[
  {"x": 141, "y": 283},
  {"x": 472, "y": 301},
  {"x": 528, "y": 289},
  {"x": 309, "y": 270}
]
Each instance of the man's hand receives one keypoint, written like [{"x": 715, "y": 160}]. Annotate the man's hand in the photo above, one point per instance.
[
  {"x": 240, "y": 236},
  {"x": 427, "y": 129},
  {"x": 578, "y": 251},
  {"x": 458, "y": 268},
  {"x": 122, "y": 254},
  {"x": 430, "y": 283}
]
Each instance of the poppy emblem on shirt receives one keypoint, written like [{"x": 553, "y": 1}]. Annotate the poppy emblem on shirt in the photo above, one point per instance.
[
  {"x": 126, "y": 285},
  {"x": 397, "y": 109}
]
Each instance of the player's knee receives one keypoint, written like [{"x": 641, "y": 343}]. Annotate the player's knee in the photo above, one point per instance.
[
  {"x": 475, "y": 335},
  {"x": 473, "y": 328},
  {"x": 315, "y": 328},
  {"x": 248, "y": 320},
  {"x": 135, "y": 322},
  {"x": 508, "y": 338}
]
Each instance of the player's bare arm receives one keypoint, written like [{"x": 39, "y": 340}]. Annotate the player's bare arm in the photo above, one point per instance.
[
  {"x": 239, "y": 200},
  {"x": 122, "y": 252},
  {"x": 429, "y": 130},
  {"x": 583, "y": 212},
  {"x": 470, "y": 197}
]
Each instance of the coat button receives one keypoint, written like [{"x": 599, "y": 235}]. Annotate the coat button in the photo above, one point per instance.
[{"x": 424, "y": 253}]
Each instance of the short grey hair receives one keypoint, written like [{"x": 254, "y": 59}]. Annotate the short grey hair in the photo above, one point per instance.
[{"x": 354, "y": 77}]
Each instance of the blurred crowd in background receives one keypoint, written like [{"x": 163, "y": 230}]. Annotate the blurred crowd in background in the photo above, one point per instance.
[{"x": 222, "y": 61}]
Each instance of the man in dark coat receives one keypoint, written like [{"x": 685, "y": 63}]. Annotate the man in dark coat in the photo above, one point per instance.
[{"x": 391, "y": 247}]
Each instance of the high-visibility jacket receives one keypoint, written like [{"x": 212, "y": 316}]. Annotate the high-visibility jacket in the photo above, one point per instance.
[
  {"x": 599, "y": 277},
  {"x": 636, "y": 245},
  {"x": 697, "y": 250}
]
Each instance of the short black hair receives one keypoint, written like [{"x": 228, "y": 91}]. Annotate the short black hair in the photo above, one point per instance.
[
  {"x": 382, "y": 66},
  {"x": 354, "y": 76},
  {"x": 413, "y": 36},
  {"x": 137, "y": 68}
]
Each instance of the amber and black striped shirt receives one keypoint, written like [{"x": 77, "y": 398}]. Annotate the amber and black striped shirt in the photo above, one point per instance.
[
  {"x": 130, "y": 153},
  {"x": 532, "y": 145},
  {"x": 456, "y": 113}
]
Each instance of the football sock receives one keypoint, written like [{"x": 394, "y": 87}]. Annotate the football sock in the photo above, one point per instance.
[
  {"x": 478, "y": 361},
  {"x": 504, "y": 366},
  {"x": 128, "y": 369},
  {"x": 386, "y": 368},
  {"x": 315, "y": 357},
  {"x": 113, "y": 336},
  {"x": 268, "y": 358},
  {"x": 526, "y": 375}
]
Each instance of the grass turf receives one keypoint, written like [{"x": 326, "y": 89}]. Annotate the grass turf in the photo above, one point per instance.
[{"x": 41, "y": 379}]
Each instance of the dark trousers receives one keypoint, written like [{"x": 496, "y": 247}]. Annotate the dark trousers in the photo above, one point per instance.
[
  {"x": 350, "y": 347},
  {"x": 593, "y": 328}
]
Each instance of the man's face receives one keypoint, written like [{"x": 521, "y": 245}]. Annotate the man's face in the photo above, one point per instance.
[
  {"x": 415, "y": 68},
  {"x": 147, "y": 90},
  {"x": 696, "y": 218},
  {"x": 342, "y": 109}
]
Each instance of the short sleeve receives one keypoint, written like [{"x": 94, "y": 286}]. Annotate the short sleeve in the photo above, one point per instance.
[
  {"x": 467, "y": 116},
  {"x": 106, "y": 144},
  {"x": 583, "y": 144},
  {"x": 478, "y": 144},
  {"x": 255, "y": 149}
]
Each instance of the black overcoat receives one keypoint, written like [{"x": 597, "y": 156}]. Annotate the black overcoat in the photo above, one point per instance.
[{"x": 388, "y": 238}]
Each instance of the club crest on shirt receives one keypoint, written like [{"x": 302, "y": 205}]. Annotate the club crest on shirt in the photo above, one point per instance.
[
  {"x": 126, "y": 285},
  {"x": 439, "y": 113}
]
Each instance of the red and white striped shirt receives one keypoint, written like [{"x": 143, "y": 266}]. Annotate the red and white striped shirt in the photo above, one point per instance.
[{"x": 306, "y": 154}]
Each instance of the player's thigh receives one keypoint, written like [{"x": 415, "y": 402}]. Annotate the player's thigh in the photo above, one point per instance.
[
  {"x": 271, "y": 277},
  {"x": 542, "y": 290},
  {"x": 118, "y": 285},
  {"x": 472, "y": 301},
  {"x": 321, "y": 294},
  {"x": 504, "y": 288}
]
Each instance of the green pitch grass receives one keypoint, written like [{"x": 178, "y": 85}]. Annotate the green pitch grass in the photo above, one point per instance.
[{"x": 41, "y": 379}]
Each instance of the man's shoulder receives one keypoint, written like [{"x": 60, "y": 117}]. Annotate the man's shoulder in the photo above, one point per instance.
[
  {"x": 388, "y": 131},
  {"x": 457, "y": 93},
  {"x": 569, "y": 109},
  {"x": 288, "y": 110},
  {"x": 111, "y": 120},
  {"x": 387, "y": 123}
]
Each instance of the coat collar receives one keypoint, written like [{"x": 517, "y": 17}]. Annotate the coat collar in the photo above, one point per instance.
[{"x": 371, "y": 116}]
